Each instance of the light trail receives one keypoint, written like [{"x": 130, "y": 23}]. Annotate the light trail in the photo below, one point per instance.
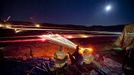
[
  {"x": 30, "y": 26},
  {"x": 49, "y": 29},
  {"x": 64, "y": 35},
  {"x": 19, "y": 36},
  {"x": 100, "y": 32},
  {"x": 37, "y": 27},
  {"x": 26, "y": 40},
  {"x": 59, "y": 40},
  {"x": 52, "y": 37}
]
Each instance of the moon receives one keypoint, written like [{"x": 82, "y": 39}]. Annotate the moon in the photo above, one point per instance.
[{"x": 108, "y": 8}]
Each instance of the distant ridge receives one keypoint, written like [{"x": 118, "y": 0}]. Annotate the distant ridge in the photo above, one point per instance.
[{"x": 117, "y": 28}]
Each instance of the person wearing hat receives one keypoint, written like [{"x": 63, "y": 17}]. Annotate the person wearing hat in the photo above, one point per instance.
[{"x": 60, "y": 58}]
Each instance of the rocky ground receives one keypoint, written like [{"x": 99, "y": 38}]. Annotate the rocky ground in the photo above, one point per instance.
[{"x": 39, "y": 66}]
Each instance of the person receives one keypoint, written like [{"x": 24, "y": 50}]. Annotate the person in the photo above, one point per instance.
[
  {"x": 77, "y": 56},
  {"x": 90, "y": 63},
  {"x": 87, "y": 57},
  {"x": 76, "y": 62},
  {"x": 128, "y": 66},
  {"x": 60, "y": 58}
]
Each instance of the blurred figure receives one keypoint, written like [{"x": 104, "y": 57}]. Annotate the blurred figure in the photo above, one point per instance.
[
  {"x": 76, "y": 62},
  {"x": 60, "y": 58},
  {"x": 90, "y": 63},
  {"x": 77, "y": 56},
  {"x": 87, "y": 57},
  {"x": 128, "y": 66},
  {"x": 125, "y": 43}
]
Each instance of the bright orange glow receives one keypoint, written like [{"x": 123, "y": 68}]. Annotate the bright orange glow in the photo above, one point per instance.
[
  {"x": 69, "y": 36},
  {"x": 84, "y": 36},
  {"x": 81, "y": 50},
  {"x": 37, "y": 25},
  {"x": 89, "y": 50},
  {"x": 8, "y": 26},
  {"x": 1, "y": 25}
]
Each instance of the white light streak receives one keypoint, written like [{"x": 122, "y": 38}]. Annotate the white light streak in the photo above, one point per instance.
[
  {"x": 59, "y": 40},
  {"x": 26, "y": 40}
]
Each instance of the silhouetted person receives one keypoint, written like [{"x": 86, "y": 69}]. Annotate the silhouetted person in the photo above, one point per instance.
[
  {"x": 78, "y": 57},
  {"x": 128, "y": 63},
  {"x": 73, "y": 61}
]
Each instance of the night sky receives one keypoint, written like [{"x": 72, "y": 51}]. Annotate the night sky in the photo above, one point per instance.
[{"x": 77, "y": 12}]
